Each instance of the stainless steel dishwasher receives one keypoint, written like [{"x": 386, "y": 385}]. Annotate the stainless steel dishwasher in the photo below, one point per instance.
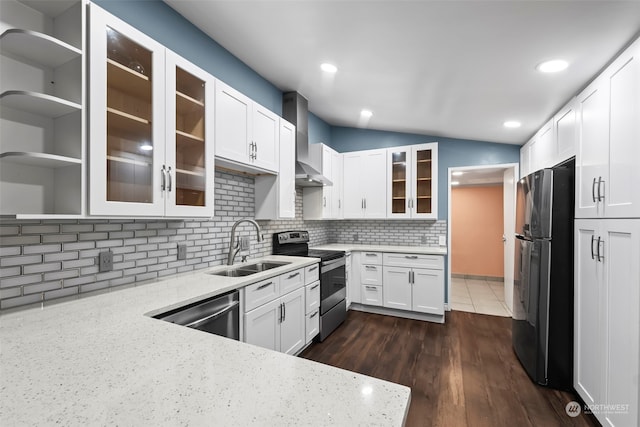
[{"x": 218, "y": 315}]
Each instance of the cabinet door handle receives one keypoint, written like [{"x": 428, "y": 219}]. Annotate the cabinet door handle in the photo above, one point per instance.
[
  {"x": 314, "y": 286},
  {"x": 593, "y": 190},
  {"x": 315, "y": 313},
  {"x": 593, "y": 239},
  {"x": 600, "y": 184},
  {"x": 324, "y": 202},
  {"x": 255, "y": 144},
  {"x": 370, "y": 267},
  {"x": 291, "y": 276},
  {"x": 365, "y": 204},
  {"x": 411, "y": 256},
  {"x": 284, "y": 312},
  {"x": 264, "y": 286},
  {"x": 169, "y": 185},
  {"x": 280, "y": 319},
  {"x": 163, "y": 180},
  {"x": 314, "y": 268},
  {"x": 598, "y": 256},
  {"x": 338, "y": 203},
  {"x": 362, "y": 203}
]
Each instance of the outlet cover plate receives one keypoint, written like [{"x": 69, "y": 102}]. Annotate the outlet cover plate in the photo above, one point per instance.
[
  {"x": 442, "y": 240},
  {"x": 182, "y": 251},
  {"x": 105, "y": 261}
]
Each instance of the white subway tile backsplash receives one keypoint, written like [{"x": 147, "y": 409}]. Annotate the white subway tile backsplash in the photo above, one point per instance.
[
  {"x": 20, "y": 260},
  {"x": 41, "y": 249},
  {"x": 20, "y": 240},
  {"x": 41, "y": 268}
]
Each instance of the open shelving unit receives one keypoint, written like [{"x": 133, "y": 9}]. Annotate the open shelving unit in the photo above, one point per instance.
[{"x": 42, "y": 109}]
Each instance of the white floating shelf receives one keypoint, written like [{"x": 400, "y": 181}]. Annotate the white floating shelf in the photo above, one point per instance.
[
  {"x": 39, "y": 159},
  {"x": 38, "y": 103},
  {"x": 38, "y": 47}
]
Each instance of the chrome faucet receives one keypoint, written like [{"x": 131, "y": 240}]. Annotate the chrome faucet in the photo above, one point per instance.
[{"x": 234, "y": 246}]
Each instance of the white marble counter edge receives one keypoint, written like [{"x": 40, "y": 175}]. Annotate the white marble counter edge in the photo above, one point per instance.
[{"x": 355, "y": 247}]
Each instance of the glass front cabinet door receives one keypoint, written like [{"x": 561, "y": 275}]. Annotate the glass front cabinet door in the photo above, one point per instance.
[
  {"x": 148, "y": 133},
  {"x": 412, "y": 181}
]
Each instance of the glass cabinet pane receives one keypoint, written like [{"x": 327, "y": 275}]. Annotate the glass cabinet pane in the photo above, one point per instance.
[
  {"x": 190, "y": 140},
  {"x": 129, "y": 111},
  {"x": 423, "y": 181},
  {"x": 399, "y": 182}
]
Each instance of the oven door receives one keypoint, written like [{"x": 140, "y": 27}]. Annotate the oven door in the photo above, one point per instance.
[{"x": 333, "y": 285}]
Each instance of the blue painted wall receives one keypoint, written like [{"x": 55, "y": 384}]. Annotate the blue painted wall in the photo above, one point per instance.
[
  {"x": 165, "y": 25},
  {"x": 451, "y": 152},
  {"x": 319, "y": 130}
]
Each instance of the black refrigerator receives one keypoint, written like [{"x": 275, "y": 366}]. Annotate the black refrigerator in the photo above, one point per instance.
[{"x": 542, "y": 326}]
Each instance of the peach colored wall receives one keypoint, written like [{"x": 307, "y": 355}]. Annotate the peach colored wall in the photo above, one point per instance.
[{"x": 477, "y": 218}]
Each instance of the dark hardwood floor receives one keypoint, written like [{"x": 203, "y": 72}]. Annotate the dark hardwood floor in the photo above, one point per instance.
[{"x": 461, "y": 373}]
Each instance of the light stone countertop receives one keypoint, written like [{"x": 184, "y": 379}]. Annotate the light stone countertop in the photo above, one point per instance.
[
  {"x": 353, "y": 247},
  {"x": 100, "y": 360}
]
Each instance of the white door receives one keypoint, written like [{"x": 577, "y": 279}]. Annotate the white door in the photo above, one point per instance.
[
  {"x": 232, "y": 123},
  {"x": 127, "y": 111},
  {"x": 293, "y": 327},
  {"x": 286, "y": 175},
  {"x": 265, "y": 138},
  {"x": 593, "y": 146},
  {"x": 508, "y": 236},
  {"x": 373, "y": 178},
  {"x": 621, "y": 193},
  {"x": 620, "y": 249},
  {"x": 353, "y": 199},
  {"x": 428, "y": 291},
  {"x": 589, "y": 297},
  {"x": 190, "y": 93},
  {"x": 397, "y": 287},
  {"x": 262, "y": 326}
]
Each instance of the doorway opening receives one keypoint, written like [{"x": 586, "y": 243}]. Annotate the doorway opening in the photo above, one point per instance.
[{"x": 481, "y": 226}]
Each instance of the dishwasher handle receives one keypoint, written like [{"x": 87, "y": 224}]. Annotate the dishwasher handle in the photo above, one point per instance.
[{"x": 218, "y": 313}]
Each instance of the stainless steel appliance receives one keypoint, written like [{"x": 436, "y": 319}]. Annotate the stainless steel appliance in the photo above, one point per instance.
[
  {"x": 333, "y": 285},
  {"x": 219, "y": 315},
  {"x": 542, "y": 326}
]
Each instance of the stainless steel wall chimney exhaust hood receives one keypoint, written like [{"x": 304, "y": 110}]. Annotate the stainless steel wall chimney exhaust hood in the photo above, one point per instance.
[{"x": 308, "y": 156}]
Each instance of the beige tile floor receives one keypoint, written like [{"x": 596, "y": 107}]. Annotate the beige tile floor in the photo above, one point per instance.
[{"x": 479, "y": 296}]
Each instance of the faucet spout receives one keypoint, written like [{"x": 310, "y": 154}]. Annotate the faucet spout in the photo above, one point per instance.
[{"x": 234, "y": 246}]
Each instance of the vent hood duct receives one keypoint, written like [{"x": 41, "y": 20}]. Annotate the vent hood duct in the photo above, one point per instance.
[{"x": 308, "y": 156}]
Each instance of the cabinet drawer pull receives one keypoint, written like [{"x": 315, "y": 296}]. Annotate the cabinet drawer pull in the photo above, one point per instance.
[
  {"x": 314, "y": 268},
  {"x": 324, "y": 202},
  {"x": 264, "y": 286},
  {"x": 315, "y": 313},
  {"x": 411, "y": 256},
  {"x": 291, "y": 276},
  {"x": 370, "y": 267},
  {"x": 371, "y": 287},
  {"x": 370, "y": 254},
  {"x": 314, "y": 286}
]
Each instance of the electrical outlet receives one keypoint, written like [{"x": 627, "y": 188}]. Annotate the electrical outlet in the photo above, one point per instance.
[
  {"x": 105, "y": 261},
  {"x": 442, "y": 240},
  {"x": 182, "y": 251},
  {"x": 245, "y": 243},
  {"x": 356, "y": 237}
]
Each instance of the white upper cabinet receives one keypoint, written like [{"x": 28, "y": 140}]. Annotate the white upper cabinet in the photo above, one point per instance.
[
  {"x": 275, "y": 195},
  {"x": 541, "y": 150},
  {"x": 42, "y": 119},
  {"x": 608, "y": 111},
  {"x": 365, "y": 183},
  {"x": 325, "y": 202},
  {"x": 151, "y": 126},
  {"x": 412, "y": 187},
  {"x": 246, "y": 133},
  {"x": 565, "y": 132}
]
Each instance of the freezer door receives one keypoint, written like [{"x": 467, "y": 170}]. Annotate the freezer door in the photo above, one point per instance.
[
  {"x": 530, "y": 306},
  {"x": 534, "y": 204}
]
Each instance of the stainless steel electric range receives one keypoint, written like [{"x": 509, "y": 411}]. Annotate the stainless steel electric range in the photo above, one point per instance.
[{"x": 333, "y": 289}]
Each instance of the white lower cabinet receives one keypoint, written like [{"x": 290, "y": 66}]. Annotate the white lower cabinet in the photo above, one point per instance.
[
  {"x": 371, "y": 295},
  {"x": 414, "y": 289},
  {"x": 607, "y": 319},
  {"x": 275, "y": 313},
  {"x": 312, "y": 311}
]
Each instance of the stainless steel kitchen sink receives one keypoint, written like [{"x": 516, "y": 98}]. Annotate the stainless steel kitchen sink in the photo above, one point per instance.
[{"x": 249, "y": 269}]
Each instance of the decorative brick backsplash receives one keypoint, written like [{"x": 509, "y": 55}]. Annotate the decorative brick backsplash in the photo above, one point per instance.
[{"x": 42, "y": 260}]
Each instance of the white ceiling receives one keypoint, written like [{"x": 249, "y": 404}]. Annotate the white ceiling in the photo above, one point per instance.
[
  {"x": 441, "y": 68},
  {"x": 479, "y": 176}
]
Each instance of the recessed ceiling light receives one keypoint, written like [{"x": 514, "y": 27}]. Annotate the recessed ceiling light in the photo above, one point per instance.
[
  {"x": 552, "y": 66},
  {"x": 455, "y": 182},
  {"x": 366, "y": 113},
  {"x": 146, "y": 147},
  {"x": 328, "y": 68},
  {"x": 512, "y": 124},
  {"x": 457, "y": 173}
]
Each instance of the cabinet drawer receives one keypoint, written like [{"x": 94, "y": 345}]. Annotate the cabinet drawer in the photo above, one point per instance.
[
  {"x": 435, "y": 262},
  {"x": 291, "y": 281},
  {"x": 372, "y": 295},
  {"x": 371, "y": 275},
  {"x": 260, "y": 293},
  {"x": 311, "y": 273},
  {"x": 312, "y": 325},
  {"x": 374, "y": 258},
  {"x": 312, "y": 292}
]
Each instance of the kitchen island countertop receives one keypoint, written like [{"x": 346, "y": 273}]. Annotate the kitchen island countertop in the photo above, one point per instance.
[{"x": 101, "y": 360}]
